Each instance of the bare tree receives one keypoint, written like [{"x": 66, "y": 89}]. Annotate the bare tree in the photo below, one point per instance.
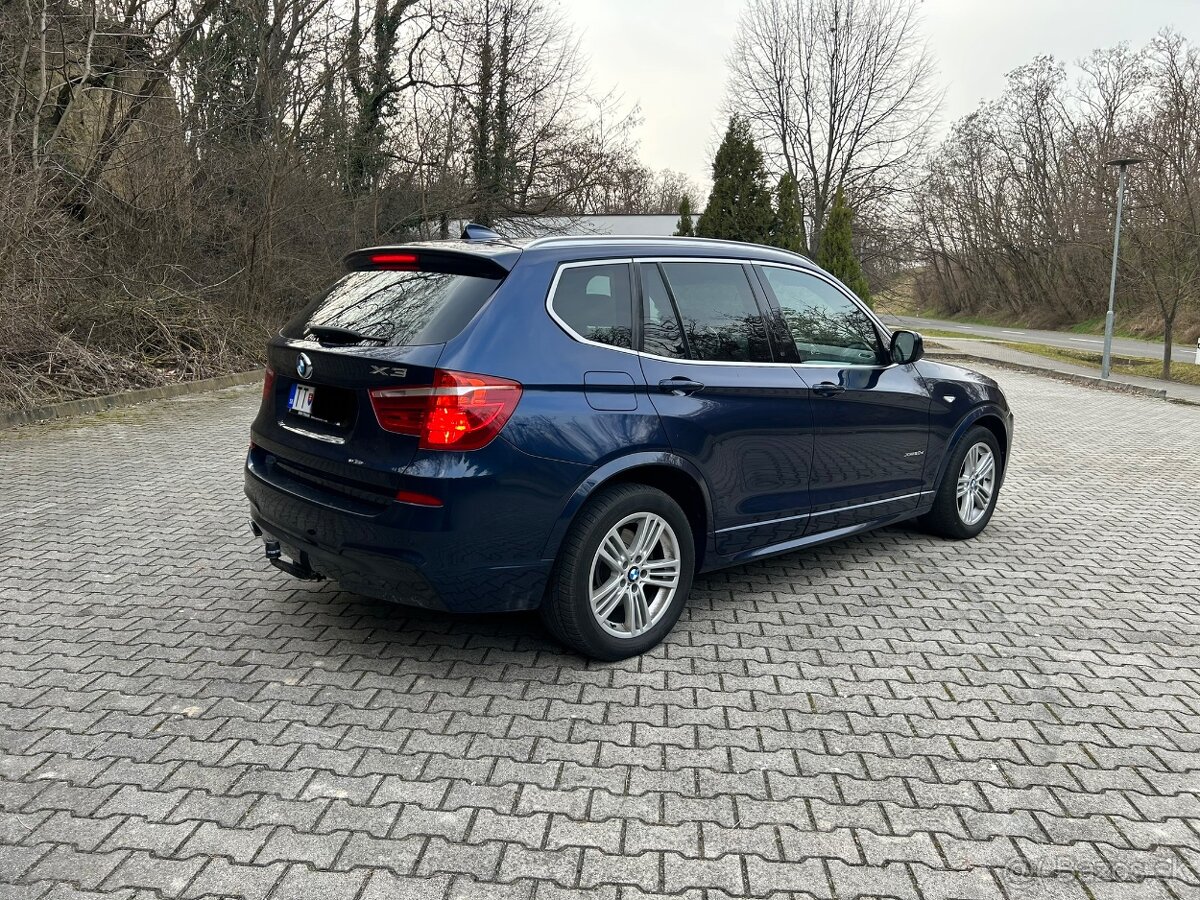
[
  {"x": 176, "y": 176},
  {"x": 1017, "y": 211},
  {"x": 840, "y": 93},
  {"x": 1165, "y": 227}
]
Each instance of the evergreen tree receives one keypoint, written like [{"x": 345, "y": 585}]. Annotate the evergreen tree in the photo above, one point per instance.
[
  {"x": 836, "y": 254},
  {"x": 739, "y": 207},
  {"x": 789, "y": 216},
  {"x": 684, "y": 227}
]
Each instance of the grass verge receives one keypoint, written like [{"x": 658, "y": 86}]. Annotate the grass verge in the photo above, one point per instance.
[
  {"x": 948, "y": 333},
  {"x": 1184, "y": 373}
]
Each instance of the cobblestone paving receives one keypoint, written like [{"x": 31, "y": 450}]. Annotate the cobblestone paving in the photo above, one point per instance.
[{"x": 1016, "y": 717}]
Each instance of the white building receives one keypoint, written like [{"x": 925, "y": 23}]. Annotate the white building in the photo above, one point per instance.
[{"x": 622, "y": 224}]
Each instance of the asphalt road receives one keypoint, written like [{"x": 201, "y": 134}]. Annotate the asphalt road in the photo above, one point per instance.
[{"x": 1124, "y": 346}]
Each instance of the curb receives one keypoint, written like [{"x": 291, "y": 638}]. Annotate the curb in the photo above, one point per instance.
[
  {"x": 88, "y": 405},
  {"x": 1093, "y": 381}
]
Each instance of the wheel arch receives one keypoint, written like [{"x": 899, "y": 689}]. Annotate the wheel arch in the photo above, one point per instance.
[
  {"x": 672, "y": 475},
  {"x": 989, "y": 416}
]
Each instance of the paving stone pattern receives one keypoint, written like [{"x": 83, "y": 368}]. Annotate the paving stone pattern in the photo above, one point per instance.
[{"x": 891, "y": 716}]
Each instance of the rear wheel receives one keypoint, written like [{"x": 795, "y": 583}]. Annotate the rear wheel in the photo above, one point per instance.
[
  {"x": 967, "y": 495},
  {"x": 623, "y": 573}
]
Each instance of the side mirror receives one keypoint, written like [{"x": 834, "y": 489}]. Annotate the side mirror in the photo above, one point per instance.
[{"x": 907, "y": 347}]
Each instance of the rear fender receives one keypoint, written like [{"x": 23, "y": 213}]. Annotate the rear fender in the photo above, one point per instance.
[{"x": 610, "y": 470}]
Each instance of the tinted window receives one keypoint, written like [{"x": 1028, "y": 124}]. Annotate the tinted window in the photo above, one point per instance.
[
  {"x": 721, "y": 320},
  {"x": 595, "y": 302},
  {"x": 397, "y": 308},
  {"x": 661, "y": 334},
  {"x": 825, "y": 324}
]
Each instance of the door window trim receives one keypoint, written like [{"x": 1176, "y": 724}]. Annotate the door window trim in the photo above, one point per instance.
[
  {"x": 635, "y": 333},
  {"x": 882, "y": 333},
  {"x": 639, "y": 308},
  {"x": 636, "y": 285},
  {"x": 761, "y": 303}
]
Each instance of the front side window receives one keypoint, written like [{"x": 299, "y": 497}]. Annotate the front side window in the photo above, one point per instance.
[
  {"x": 826, "y": 325},
  {"x": 596, "y": 303},
  {"x": 721, "y": 319}
]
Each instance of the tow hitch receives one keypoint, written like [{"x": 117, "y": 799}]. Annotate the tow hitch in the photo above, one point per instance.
[{"x": 298, "y": 568}]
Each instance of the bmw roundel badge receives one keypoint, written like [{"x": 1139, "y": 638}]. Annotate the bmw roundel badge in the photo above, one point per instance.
[{"x": 304, "y": 366}]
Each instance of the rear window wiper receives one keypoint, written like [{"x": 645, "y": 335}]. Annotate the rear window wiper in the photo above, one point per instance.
[{"x": 335, "y": 335}]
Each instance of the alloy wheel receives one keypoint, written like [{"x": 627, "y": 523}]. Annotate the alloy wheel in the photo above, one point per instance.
[
  {"x": 976, "y": 483},
  {"x": 634, "y": 575}
]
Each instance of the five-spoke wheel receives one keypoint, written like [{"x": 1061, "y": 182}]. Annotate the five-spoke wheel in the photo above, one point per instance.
[
  {"x": 976, "y": 483},
  {"x": 967, "y": 494},
  {"x": 623, "y": 573},
  {"x": 635, "y": 574}
]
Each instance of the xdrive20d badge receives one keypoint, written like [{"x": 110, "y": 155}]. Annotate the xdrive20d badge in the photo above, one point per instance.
[{"x": 582, "y": 425}]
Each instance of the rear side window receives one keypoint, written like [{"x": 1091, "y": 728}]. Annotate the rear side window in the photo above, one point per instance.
[
  {"x": 394, "y": 308},
  {"x": 721, "y": 319},
  {"x": 596, "y": 303},
  {"x": 826, "y": 325},
  {"x": 661, "y": 333}
]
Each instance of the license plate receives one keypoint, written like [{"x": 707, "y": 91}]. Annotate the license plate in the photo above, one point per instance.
[{"x": 301, "y": 399}]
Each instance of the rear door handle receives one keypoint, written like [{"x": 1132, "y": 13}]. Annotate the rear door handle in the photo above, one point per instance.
[
  {"x": 828, "y": 389},
  {"x": 679, "y": 386}
]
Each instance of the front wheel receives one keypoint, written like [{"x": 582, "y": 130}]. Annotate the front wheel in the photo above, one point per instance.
[
  {"x": 967, "y": 495},
  {"x": 623, "y": 573}
]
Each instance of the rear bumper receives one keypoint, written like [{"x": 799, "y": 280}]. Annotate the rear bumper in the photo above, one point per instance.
[
  {"x": 481, "y": 552},
  {"x": 359, "y": 571}
]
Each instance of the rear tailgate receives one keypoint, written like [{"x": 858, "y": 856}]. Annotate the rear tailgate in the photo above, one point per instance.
[{"x": 382, "y": 326}]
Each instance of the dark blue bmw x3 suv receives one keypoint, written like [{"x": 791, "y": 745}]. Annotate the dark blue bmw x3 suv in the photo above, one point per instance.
[{"x": 580, "y": 425}]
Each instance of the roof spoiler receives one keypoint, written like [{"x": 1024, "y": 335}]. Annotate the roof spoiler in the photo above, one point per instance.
[{"x": 427, "y": 258}]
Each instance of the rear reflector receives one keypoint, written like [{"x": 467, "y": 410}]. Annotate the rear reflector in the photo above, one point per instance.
[
  {"x": 418, "y": 499},
  {"x": 459, "y": 411},
  {"x": 268, "y": 382}
]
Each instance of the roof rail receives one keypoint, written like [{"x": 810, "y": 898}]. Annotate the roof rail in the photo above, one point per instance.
[{"x": 660, "y": 239}]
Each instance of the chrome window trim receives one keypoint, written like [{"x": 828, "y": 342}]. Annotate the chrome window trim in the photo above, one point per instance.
[
  {"x": 824, "y": 512},
  {"x": 630, "y": 261},
  {"x": 571, "y": 333},
  {"x": 626, "y": 260},
  {"x": 834, "y": 283}
]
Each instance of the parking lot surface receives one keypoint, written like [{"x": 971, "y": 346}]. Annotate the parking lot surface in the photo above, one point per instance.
[{"x": 893, "y": 715}]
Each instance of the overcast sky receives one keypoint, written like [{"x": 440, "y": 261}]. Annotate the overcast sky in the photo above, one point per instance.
[{"x": 669, "y": 55}]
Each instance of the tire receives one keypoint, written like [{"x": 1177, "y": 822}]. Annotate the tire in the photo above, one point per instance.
[
  {"x": 947, "y": 518},
  {"x": 614, "y": 575}
]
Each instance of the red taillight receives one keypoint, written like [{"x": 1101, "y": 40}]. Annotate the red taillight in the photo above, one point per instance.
[
  {"x": 395, "y": 261},
  {"x": 459, "y": 411},
  {"x": 401, "y": 410},
  {"x": 268, "y": 382}
]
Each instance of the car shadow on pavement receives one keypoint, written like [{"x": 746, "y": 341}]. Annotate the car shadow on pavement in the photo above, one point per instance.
[{"x": 397, "y": 632}]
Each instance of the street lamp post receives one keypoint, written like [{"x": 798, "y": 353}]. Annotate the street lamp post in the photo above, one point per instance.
[{"x": 1122, "y": 164}]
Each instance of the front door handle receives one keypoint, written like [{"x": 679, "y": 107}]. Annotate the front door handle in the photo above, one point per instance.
[
  {"x": 679, "y": 386},
  {"x": 828, "y": 389}
]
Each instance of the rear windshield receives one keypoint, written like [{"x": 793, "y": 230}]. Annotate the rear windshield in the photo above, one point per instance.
[{"x": 396, "y": 308}]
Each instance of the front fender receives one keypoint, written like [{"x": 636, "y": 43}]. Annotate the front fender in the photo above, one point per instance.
[
  {"x": 986, "y": 408},
  {"x": 610, "y": 470}
]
